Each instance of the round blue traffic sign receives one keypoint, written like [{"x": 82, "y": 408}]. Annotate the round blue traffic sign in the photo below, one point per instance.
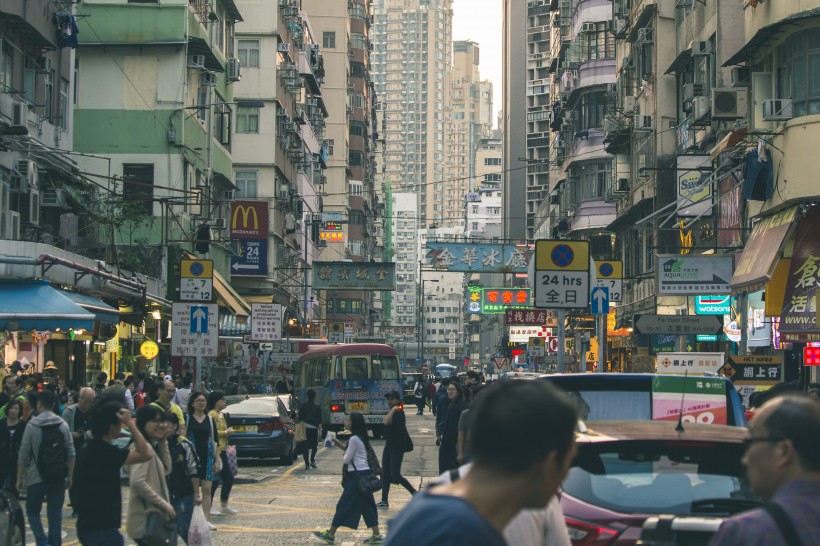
[
  {"x": 605, "y": 270},
  {"x": 562, "y": 255},
  {"x": 197, "y": 269}
]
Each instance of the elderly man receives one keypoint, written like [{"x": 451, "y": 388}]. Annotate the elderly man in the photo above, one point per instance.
[
  {"x": 78, "y": 418},
  {"x": 165, "y": 394},
  {"x": 783, "y": 465}
]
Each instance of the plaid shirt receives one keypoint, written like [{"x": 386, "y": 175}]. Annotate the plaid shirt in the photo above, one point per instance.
[{"x": 801, "y": 501}]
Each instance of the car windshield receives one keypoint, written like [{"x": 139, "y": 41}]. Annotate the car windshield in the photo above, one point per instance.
[
  {"x": 655, "y": 477},
  {"x": 254, "y": 406}
]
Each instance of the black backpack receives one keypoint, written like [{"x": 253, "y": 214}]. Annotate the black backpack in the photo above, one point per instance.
[{"x": 52, "y": 458}]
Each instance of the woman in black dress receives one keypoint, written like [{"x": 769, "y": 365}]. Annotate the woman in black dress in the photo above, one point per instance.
[
  {"x": 201, "y": 431},
  {"x": 11, "y": 434}
]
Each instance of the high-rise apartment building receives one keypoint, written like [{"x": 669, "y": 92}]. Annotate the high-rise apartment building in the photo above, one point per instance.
[
  {"x": 405, "y": 227},
  {"x": 411, "y": 63}
]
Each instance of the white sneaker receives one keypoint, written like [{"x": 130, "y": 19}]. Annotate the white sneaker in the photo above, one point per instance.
[
  {"x": 228, "y": 510},
  {"x": 215, "y": 511},
  {"x": 211, "y": 526}
]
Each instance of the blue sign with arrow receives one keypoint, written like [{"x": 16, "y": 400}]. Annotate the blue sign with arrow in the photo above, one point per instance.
[
  {"x": 199, "y": 319},
  {"x": 252, "y": 260},
  {"x": 600, "y": 300}
]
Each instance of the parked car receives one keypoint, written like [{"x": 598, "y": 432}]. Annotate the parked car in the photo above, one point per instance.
[
  {"x": 263, "y": 427},
  {"x": 631, "y": 396},
  {"x": 628, "y": 471},
  {"x": 12, "y": 524}
]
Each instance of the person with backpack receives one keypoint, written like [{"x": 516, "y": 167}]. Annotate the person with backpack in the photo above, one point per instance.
[{"x": 44, "y": 469}]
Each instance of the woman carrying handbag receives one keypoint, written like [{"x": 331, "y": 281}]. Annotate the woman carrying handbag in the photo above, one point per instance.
[
  {"x": 354, "y": 503},
  {"x": 151, "y": 516},
  {"x": 201, "y": 430},
  {"x": 216, "y": 403}
]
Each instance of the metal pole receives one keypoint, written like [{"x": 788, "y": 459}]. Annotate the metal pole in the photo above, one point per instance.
[
  {"x": 743, "y": 320},
  {"x": 423, "y": 327},
  {"x": 562, "y": 318},
  {"x": 198, "y": 367},
  {"x": 601, "y": 343}
]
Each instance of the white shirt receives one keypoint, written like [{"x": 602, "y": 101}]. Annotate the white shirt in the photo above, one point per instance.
[
  {"x": 356, "y": 454},
  {"x": 542, "y": 527},
  {"x": 129, "y": 400}
]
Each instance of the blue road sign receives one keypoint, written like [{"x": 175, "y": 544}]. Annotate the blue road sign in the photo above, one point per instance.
[
  {"x": 562, "y": 255},
  {"x": 599, "y": 300},
  {"x": 252, "y": 260},
  {"x": 199, "y": 319}
]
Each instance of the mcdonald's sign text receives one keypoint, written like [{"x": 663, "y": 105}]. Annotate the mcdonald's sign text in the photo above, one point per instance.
[{"x": 249, "y": 220}]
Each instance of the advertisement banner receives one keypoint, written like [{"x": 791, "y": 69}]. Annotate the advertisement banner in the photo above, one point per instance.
[
  {"x": 495, "y": 301},
  {"x": 729, "y": 218},
  {"x": 529, "y": 317},
  {"x": 478, "y": 257},
  {"x": 695, "y": 274},
  {"x": 798, "y": 320},
  {"x": 365, "y": 396},
  {"x": 694, "y": 185},
  {"x": 249, "y": 220},
  {"x": 378, "y": 276},
  {"x": 695, "y": 364},
  {"x": 703, "y": 400}
]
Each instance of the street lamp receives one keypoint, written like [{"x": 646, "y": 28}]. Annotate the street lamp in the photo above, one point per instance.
[{"x": 423, "y": 328}]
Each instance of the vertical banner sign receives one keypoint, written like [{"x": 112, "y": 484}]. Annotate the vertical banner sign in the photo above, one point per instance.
[
  {"x": 249, "y": 225},
  {"x": 798, "y": 321},
  {"x": 694, "y": 185},
  {"x": 704, "y": 399}
]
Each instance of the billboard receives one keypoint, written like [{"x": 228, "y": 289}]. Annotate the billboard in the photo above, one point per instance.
[
  {"x": 478, "y": 257},
  {"x": 496, "y": 301},
  {"x": 694, "y": 185},
  {"x": 376, "y": 276},
  {"x": 249, "y": 220}
]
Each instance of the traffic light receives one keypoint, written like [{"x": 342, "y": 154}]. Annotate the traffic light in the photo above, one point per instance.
[{"x": 202, "y": 243}]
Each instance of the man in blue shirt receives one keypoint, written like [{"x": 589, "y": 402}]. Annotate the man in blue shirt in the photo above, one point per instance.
[{"x": 522, "y": 446}]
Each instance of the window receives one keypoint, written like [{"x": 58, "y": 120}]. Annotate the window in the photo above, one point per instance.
[
  {"x": 356, "y": 159},
  {"x": 6, "y": 66},
  {"x": 138, "y": 186},
  {"x": 222, "y": 119},
  {"x": 247, "y": 119},
  {"x": 358, "y": 41},
  {"x": 356, "y": 368},
  {"x": 492, "y": 161},
  {"x": 357, "y": 11},
  {"x": 329, "y": 146},
  {"x": 62, "y": 107},
  {"x": 799, "y": 73},
  {"x": 357, "y": 128},
  {"x": 201, "y": 101},
  {"x": 48, "y": 99},
  {"x": 329, "y": 40},
  {"x": 248, "y": 53},
  {"x": 599, "y": 44},
  {"x": 246, "y": 182}
]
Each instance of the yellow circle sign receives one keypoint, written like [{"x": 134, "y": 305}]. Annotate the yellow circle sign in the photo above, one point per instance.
[{"x": 149, "y": 349}]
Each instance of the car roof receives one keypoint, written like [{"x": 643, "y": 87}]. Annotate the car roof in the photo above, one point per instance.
[{"x": 613, "y": 431}]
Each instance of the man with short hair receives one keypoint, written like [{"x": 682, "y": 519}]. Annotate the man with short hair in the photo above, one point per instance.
[
  {"x": 78, "y": 418},
  {"x": 782, "y": 462},
  {"x": 165, "y": 393},
  {"x": 38, "y": 487},
  {"x": 184, "y": 393},
  {"x": 529, "y": 422},
  {"x": 12, "y": 387},
  {"x": 99, "y": 499}
]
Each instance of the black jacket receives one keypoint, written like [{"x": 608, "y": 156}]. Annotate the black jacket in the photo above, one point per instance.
[{"x": 310, "y": 413}]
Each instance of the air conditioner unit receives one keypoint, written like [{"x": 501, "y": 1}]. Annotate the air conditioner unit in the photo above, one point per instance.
[
  {"x": 13, "y": 226},
  {"x": 741, "y": 76},
  {"x": 777, "y": 110},
  {"x": 700, "y": 48},
  {"x": 729, "y": 103},
  {"x": 33, "y": 207},
  {"x": 692, "y": 90},
  {"x": 28, "y": 170},
  {"x": 53, "y": 198},
  {"x": 19, "y": 114},
  {"x": 588, "y": 27},
  {"x": 282, "y": 195},
  {"x": 700, "y": 107},
  {"x": 208, "y": 79},
  {"x": 196, "y": 61},
  {"x": 642, "y": 123},
  {"x": 644, "y": 36},
  {"x": 321, "y": 243},
  {"x": 283, "y": 48},
  {"x": 629, "y": 105},
  {"x": 621, "y": 185},
  {"x": 312, "y": 101},
  {"x": 349, "y": 109},
  {"x": 220, "y": 223},
  {"x": 233, "y": 69}
]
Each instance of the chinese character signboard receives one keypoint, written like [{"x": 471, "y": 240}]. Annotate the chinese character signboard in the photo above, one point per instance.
[
  {"x": 691, "y": 363},
  {"x": 332, "y": 236},
  {"x": 477, "y": 257},
  {"x": 703, "y": 399},
  {"x": 753, "y": 369},
  {"x": 495, "y": 301},
  {"x": 529, "y": 317},
  {"x": 691, "y": 275},
  {"x": 249, "y": 220},
  {"x": 195, "y": 329},
  {"x": 378, "y": 276},
  {"x": 798, "y": 321},
  {"x": 266, "y": 321},
  {"x": 523, "y": 334}
]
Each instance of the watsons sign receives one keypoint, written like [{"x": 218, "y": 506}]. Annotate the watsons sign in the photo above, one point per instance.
[{"x": 713, "y": 305}]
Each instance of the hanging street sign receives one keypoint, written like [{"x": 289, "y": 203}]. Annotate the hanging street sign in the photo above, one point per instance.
[
  {"x": 195, "y": 329},
  {"x": 252, "y": 260},
  {"x": 478, "y": 257},
  {"x": 600, "y": 300},
  {"x": 610, "y": 275},
  {"x": 266, "y": 321},
  {"x": 494, "y": 301},
  {"x": 376, "y": 276},
  {"x": 561, "y": 279},
  {"x": 529, "y": 317},
  {"x": 694, "y": 274},
  {"x": 713, "y": 305},
  {"x": 678, "y": 324}
]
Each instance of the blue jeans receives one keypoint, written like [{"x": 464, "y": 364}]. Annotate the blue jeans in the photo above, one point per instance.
[
  {"x": 105, "y": 537},
  {"x": 184, "y": 507},
  {"x": 54, "y": 495}
]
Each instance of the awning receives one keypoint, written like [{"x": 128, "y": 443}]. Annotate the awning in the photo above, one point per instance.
[
  {"x": 763, "y": 35},
  {"x": 228, "y": 297},
  {"x": 759, "y": 257},
  {"x": 732, "y": 139},
  {"x": 34, "y": 305},
  {"x": 680, "y": 61},
  {"x": 229, "y": 327},
  {"x": 102, "y": 311}
]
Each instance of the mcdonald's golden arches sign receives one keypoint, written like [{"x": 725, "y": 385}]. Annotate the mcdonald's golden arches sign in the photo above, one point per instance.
[{"x": 249, "y": 220}]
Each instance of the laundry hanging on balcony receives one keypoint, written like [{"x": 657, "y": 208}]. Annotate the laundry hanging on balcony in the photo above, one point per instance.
[
  {"x": 759, "y": 182},
  {"x": 66, "y": 29}
]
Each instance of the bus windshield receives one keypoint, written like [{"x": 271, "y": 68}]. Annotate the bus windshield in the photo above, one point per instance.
[{"x": 445, "y": 370}]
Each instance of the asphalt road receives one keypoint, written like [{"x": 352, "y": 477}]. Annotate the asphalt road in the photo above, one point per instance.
[{"x": 285, "y": 504}]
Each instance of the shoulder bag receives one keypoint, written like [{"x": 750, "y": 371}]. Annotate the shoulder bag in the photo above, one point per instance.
[
  {"x": 368, "y": 483},
  {"x": 784, "y": 523},
  {"x": 159, "y": 530},
  {"x": 408, "y": 441}
]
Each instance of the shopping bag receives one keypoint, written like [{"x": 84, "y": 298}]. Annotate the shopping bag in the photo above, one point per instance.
[
  {"x": 198, "y": 533},
  {"x": 329, "y": 438},
  {"x": 233, "y": 463},
  {"x": 300, "y": 434}
]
